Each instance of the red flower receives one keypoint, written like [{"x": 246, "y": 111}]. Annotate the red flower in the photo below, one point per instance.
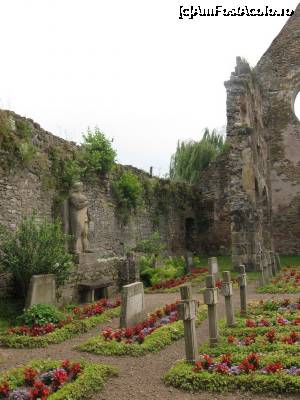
[
  {"x": 198, "y": 366},
  {"x": 251, "y": 363},
  {"x": 231, "y": 339},
  {"x": 226, "y": 359},
  {"x": 4, "y": 390},
  {"x": 271, "y": 336},
  {"x": 272, "y": 368},
  {"x": 39, "y": 391},
  {"x": 250, "y": 323},
  {"x": 75, "y": 369},
  {"x": 206, "y": 361},
  {"x": 128, "y": 333},
  {"x": 141, "y": 337},
  {"x": 30, "y": 375},
  {"x": 59, "y": 378},
  {"x": 222, "y": 369}
]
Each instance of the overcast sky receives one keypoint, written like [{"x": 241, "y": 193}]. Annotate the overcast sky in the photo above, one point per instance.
[{"x": 131, "y": 67}]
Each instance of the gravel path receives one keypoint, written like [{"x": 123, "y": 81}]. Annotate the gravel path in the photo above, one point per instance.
[{"x": 140, "y": 377}]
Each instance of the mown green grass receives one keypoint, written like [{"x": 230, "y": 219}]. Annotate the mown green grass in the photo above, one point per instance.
[{"x": 225, "y": 264}]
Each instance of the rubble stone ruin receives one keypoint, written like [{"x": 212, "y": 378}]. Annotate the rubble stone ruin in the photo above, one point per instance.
[{"x": 264, "y": 137}]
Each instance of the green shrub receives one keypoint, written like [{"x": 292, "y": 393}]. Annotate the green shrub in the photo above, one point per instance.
[
  {"x": 34, "y": 248},
  {"x": 127, "y": 191},
  {"x": 97, "y": 153},
  {"x": 151, "y": 245},
  {"x": 40, "y": 314},
  {"x": 171, "y": 268}
]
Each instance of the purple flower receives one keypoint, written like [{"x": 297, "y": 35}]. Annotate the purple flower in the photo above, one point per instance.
[{"x": 19, "y": 394}]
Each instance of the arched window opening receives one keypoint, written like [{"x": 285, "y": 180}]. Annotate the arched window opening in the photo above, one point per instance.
[{"x": 297, "y": 106}]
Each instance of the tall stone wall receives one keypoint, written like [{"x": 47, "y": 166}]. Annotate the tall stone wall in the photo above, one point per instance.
[
  {"x": 249, "y": 184},
  {"x": 215, "y": 237},
  {"x": 278, "y": 73},
  {"x": 28, "y": 187}
]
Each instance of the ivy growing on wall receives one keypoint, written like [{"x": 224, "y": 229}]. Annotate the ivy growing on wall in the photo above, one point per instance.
[
  {"x": 16, "y": 148},
  {"x": 127, "y": 191}
]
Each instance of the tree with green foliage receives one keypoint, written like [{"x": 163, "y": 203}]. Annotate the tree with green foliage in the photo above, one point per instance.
[
  {"x": 34, "y": 248},
  {"x": 193, "y": 157},
  {"x": 96, "y": 153}
]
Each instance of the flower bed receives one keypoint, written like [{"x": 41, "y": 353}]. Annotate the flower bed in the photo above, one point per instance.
[
  {"x": 54, "y": 380},
  {"x": 79, "y": 321},
  {"x": 287, "y": 281},
  {"x": 153, "y": 334},
  {"x": 231, "y": 372},
  {"x": 196, "y": 276},
  {"x": 259, "y": 354}
]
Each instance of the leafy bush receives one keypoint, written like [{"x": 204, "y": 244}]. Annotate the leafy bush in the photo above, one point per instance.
[
  {"x": 41, "y": 314},
  {"x": 34, "y": 248},
  {"x": 152, "y": 245},
  {"x": 127, "y": 191},
  {"x": 192, "y": 158},
  {"x": 97, "y": 153},
  {"x": 172, "y": 268}
]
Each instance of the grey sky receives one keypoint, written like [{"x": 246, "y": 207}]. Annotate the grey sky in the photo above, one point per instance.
[{"x": 130, "y": 67}]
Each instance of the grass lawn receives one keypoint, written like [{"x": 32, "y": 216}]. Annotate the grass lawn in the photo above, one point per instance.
[{"x": 226, "y": 265}]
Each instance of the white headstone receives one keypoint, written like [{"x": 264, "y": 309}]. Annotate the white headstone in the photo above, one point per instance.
[
  {"x": 132, "y": 305},
  {"x": 42, "y": 290}
]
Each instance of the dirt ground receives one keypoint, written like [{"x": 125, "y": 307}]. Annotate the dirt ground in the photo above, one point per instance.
[{"x": 140, "y": 377}]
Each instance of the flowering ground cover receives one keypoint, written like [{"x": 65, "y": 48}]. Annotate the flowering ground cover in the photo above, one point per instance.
[
  {"x": 79, "y": 320},
  {"x": 156, "y": 332},
  {"x": 196, "y": 276},
  {"x": 54, "y": 380},
  {"x": 259, "y": 354},
  {"x": 230, "y": 372},
  {"x": 287, "y": 281}
]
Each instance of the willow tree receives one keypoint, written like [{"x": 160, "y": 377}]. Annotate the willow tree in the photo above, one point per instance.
[{"x": 193, "y": 157}]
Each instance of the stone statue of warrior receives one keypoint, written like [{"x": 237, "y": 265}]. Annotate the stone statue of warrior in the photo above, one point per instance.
[{"x": 79, "y": 220}]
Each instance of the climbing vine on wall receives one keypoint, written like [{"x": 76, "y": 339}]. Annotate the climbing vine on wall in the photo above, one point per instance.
[{"x": 16, "y": 147}]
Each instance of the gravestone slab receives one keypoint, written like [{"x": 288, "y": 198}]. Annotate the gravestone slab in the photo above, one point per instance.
[
  {"x": 42, "y": 290},
  {"x": 132, "y": 305}
]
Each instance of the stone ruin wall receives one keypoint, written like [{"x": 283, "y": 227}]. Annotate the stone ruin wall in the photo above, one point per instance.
[
  {"x": 25, "y": 189},
  {"x": 278, "y": 73},
  {"x": 263, "y": 133},
  {"x": 249, "y": 184}
]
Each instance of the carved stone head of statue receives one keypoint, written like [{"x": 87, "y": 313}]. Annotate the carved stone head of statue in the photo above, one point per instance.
[{"x": 77, "y": 187}]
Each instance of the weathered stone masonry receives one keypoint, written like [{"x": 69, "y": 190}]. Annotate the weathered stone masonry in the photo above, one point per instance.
[
  {"x": 187, "y": 217},
  {"x": 278, "y": 73}
]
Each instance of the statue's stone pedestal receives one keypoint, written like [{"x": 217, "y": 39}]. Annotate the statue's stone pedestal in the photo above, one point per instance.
[{"x": 91, "y": 268}]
